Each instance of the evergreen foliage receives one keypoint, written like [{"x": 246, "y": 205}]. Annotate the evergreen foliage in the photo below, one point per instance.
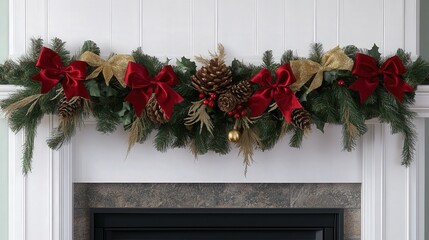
[{"x": 332, "y": 103}]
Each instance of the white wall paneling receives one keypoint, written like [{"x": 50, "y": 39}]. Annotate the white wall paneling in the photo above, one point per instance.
[
  {"x": 40, "y": 204},
  {"x": 169, "y": 28}
]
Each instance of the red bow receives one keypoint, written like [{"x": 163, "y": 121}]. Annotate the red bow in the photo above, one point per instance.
[
  {"x": 53, "y": 71},
  {"x": 143, "y": 85},
  {"x": 368, "y": 76},
  {"x": 279, "y": 91}
]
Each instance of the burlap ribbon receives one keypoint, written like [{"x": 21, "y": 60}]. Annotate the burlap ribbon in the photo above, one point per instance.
[
  {"x": 304, "y": 70},
  {"x": 115, "y": 66}
]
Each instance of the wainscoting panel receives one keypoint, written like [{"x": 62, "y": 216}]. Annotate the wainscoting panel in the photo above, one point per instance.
[{"x": 171, "y": 28}]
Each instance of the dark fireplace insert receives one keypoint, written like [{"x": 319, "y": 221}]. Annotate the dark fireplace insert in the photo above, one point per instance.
[{"x": 216, "y": 224}]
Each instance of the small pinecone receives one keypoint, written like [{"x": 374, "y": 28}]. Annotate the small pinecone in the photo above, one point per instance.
[
  {"x": 242, "y": 91},
  {"x": 227, "y": 102},
  {"x": 154, "y": 112},
  {"x": 301, "y": 118},
  {"x": 213, "y": 78},
  {"x": 67, "y": 109}
]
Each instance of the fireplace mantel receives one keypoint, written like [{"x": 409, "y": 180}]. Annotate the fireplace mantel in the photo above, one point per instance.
[{"x": 392, "y": 195}]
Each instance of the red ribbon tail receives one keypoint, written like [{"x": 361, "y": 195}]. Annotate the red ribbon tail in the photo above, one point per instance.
[
  {"x": 398, "y": 89},
  {"x": 287, "y": 103},
  {"x": 47, "y": 82},
  {"x": 138, "y": 98},
  {"x": 259, "y": 101},
  {"x": 168, "y": 100},
  {"x": 365, "y": 87},
  {"x": 74, "y": 89}
]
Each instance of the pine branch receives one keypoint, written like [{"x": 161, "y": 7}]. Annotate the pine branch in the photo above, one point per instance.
[
  {"x": 91, "y": 46},
  {"x": 33, "y": 119},
  {"x": 351, "y": 51},
  {"x": 316, "y": 52},
  {"x": 405, "y": 57},
  {"x": 268, "y": 60},
  {"x": 163, "y": 138},
  {"x": 325, "y": 106},
  {"x": 107, "y": 118},
  {"x": 287, "y": 57},
  {"x": 199, "y": 143},
  {"x": 153, "y": 64},
  {"x": 219, "y": 142},
  {"x": 297, "y": 137},
  {"x": 352, "y": 118},
  {"x": 59, "y": 46},
  {"x": 400, "y": 118},
  {"x": 269, "y": 129},
  {"x": 417, "y": 72}
]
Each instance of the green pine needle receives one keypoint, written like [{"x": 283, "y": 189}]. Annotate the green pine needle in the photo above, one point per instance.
[
  {"x": 91, "y": 46},
  {"x": 316, "y": 52},
  {"x": 287, "y": 57},
  {"x": 297, "y": 137}
]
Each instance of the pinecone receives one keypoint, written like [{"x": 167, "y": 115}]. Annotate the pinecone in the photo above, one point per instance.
[
  {"x": 66, "y": 109},
  {"x": 213, "y": 78},
  {"x": 242, "y": 91},
  {"x": 227, "y": 102},
  {"x": 301, "y": 118},
  {"x": 154, "y": 112}
]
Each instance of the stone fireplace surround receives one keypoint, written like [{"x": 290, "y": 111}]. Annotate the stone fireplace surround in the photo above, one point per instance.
[{"x": 217, "y": 195}]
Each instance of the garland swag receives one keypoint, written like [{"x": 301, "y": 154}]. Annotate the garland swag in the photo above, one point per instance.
[{"x": 251, "y": 106}]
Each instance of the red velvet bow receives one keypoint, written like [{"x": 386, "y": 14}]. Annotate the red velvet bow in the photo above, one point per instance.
[
  {"x": 143, "y": 85},
  {"x": 53, "y": 71},
  {"x": 368, "y": 76},
  {"x": 279, "y": 91}
]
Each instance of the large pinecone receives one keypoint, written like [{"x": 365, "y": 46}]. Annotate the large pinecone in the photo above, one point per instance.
[
  {"x": 154, "y": 112},
  {"x": 216, "y": 77},
  {"x": 67, "y": 109},
  {"x": 227, "y": 102},
  {"x": 242, "y": 91},
  {"x": 301, "y": 118}
]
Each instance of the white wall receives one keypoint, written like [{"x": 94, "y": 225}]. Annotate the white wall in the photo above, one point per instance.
[
  {"x": 3, "y": 179},
  {"x": 3, "y": 128},
  {"x": 188, "y": 27}
]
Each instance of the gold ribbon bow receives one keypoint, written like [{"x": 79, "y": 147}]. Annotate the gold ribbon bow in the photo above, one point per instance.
[
  {"x": 115, "y": 66},
  {"x": 304, "y": 70}
]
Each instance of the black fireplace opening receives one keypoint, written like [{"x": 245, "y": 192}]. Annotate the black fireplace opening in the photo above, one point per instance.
[{"x": 216, "y": 224}]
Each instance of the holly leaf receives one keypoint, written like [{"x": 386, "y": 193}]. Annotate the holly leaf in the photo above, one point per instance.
[
  {"x": 373, "y": 52},
  {"x": 330, "y": 76},
  {"x": 92, "y": 87},
  {"x": 186, "y": 65},
  {"x": 126, "y": 115}
]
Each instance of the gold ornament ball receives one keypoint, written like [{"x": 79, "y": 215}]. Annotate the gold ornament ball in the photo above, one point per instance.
[{"x": 234, "y": 135}]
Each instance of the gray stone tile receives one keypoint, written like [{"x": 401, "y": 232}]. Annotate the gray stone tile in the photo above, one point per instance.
[
  {"x": 187, "y": 195},
  {"x": 325, "y": 195},
  {"x": 80, "y": 224},
  {"x": 352, "y": 224},
  {"x": 219, "y": 195},
  {"x": 80, "y": 195},
  {"x": 255, "y": 196}
]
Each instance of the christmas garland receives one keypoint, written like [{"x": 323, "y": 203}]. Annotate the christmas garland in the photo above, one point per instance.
[{"x": 204, "y": 109}]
